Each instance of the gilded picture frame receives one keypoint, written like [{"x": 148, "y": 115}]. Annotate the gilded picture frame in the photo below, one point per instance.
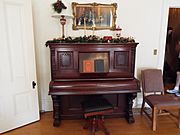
[{"x": 94, "y": 16}]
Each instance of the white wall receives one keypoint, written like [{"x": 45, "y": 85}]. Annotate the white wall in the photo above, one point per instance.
[{"x": 140, "y": 19}]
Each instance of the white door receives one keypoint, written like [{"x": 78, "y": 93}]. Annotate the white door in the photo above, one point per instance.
[{"x": 18, "y": 99}]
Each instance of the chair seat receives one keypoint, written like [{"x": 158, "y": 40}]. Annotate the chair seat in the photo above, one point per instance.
[
  {"x": 163, "y": 100},
  {"x": 96, "y": 105},
  {"x": 152, "y": 82}
]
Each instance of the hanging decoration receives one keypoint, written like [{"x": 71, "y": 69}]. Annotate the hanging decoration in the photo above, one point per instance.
[{"x": 58, "y": 6}]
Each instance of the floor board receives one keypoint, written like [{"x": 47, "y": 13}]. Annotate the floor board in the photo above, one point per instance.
[{"x": 167, "y": 125}]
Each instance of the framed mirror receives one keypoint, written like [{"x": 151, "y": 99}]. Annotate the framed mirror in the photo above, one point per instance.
[{"x": 94, "y": 16}]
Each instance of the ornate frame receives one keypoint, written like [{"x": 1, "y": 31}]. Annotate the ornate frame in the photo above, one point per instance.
[{"x": 94, "y": 16}]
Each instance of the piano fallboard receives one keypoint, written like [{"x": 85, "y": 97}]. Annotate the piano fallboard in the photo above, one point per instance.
[{"x": 93, "y": 87}]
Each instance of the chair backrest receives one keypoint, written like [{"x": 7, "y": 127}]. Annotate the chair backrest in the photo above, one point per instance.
[{"x": 152, "y": 81}]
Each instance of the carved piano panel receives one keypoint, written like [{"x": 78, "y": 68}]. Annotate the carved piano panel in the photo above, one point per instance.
[
  {"x": 64, "y": 60},
  {"x": 121, "y": 60}
]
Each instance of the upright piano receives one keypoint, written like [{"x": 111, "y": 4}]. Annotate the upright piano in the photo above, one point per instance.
[{"x": 81, "y": 70}]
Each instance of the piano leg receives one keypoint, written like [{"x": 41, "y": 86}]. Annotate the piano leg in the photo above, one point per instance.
[
  {"x": 56, "y": 110},
  {"x": 130, "y": 98}
]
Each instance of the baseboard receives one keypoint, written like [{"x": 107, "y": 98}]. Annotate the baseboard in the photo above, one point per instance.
[{"x": 46, "y": 105}]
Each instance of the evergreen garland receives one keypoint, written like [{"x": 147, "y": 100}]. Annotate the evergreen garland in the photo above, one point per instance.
[{"x": 91, "y": 39}]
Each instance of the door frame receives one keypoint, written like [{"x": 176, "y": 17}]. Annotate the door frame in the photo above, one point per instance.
[{"x": 163, "y": 30}]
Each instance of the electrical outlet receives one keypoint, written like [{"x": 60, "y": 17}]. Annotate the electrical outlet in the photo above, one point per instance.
[{"x": 155, "y": 52}]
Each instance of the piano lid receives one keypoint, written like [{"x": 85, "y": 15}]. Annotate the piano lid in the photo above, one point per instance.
[{"x": 93, "y": 87}]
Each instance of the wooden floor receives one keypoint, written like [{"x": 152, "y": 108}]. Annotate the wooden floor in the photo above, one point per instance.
[{"x": 167, "y": 125}]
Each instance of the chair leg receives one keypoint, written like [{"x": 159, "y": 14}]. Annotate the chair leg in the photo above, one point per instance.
[
  {"x": 142, "y": 107},
  {"x": 154, "y": 118},
  {"x": 178, "y": 118}
]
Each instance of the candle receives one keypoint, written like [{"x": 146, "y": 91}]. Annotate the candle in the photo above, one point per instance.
[
  {"x": 93, "y": 29},
  {"x": 93, "y": 26},
  {"x": 85, "y": 26}
]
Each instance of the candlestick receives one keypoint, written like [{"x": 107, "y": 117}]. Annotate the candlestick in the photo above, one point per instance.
[{"x": 63, "y": 22}]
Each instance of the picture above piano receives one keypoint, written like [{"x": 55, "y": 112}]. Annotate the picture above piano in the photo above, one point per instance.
[{"x": 96, "y": 16}]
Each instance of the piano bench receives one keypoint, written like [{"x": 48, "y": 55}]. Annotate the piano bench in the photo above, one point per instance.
[{"x": 94, "y": 110}]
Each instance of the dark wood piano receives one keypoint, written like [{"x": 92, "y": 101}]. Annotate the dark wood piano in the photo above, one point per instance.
[{"x": 80, "y": 70}]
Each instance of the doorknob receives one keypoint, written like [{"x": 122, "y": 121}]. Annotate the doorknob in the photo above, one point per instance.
[{"x": 33, "y": 84}]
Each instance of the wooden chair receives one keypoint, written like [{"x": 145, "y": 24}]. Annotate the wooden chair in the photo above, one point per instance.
[
  {"x": 94, "y": 111},
  {"x": 153, "y": 95}
]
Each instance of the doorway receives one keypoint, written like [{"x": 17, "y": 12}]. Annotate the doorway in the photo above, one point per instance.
[{"x": 172, "y": 38}]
